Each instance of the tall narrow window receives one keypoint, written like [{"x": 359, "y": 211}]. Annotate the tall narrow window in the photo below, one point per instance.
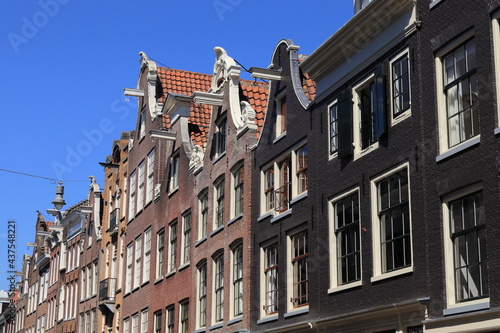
[
  {"x": 128, "y": 275},
  {"x": 468, "y": 237},
  {"x": 133, "y": 184},
  {"x": 184, "y": 317},
  {"x": 220, "y": 138},
  {"x": 203, "y": 202},
  {"x": 142, "y": 124},
  {"x": 283, "y": 192},
  {"x": 301, "y": 169},
  {"x": 147, "y": 255},
  {"x": 186, "y": 238},
  {"x": 300, "y": 255},
  {"x": 400, "y": 85},
  {"x": 172, "y": 247},
  {"x": 394, "y": 216},
  {"x": 271, "y": 278},
  {"x": 140, "y": 192},
  {"x": 237, "y": 275},
  {"x": 238, "y": 191},
  {"x": 334, "y": 125},
  {"x": 461, "y": 91},
  {"x": 144, "y": 321},
  {"x": 219, "y": 288},
  {"x": 160, "y": 253},
  {"x": 126, "y": 325},
  {"x": 219, "y": 204},
  {"x": 135, "y": 323},
  {"x": 202, "y": 295},
  {"x": 281, "y": 114},
  {"x": 269, "y": 188},
  {"x": 138, "y": 261},
  {"x": 346, "y": 216},
  {"x": 150, "y": 183},
  {"x": 170, "y": 319},
  {"x": 174, "y": 173},
  {"x": 158, "y": 321}
]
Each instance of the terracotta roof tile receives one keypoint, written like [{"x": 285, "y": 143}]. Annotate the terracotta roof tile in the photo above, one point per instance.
[{"x": 256, "y": 94}]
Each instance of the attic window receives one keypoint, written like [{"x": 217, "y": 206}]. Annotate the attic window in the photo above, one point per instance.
[
  {"x": 116, "y": 156},
  {"x": 159, "y": 90}
]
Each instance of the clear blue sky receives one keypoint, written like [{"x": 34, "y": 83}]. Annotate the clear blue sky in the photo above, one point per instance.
[{"x": 64, "y": 64}]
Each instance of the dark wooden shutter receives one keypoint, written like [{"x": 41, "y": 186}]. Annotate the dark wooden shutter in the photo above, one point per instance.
[
  {"x": 379, "y": 109},
  {"x": 345, "y": 126}
]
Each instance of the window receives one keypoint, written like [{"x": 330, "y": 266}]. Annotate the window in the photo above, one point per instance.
[
  {"x": 140, "y": 193},
  {"x": 345, "y": 244},
  {"x": 186, "y": 238},
  {"x": 400, "y": 84},
  {"x": 465, "y": 246},
  {"x": 391, "y": 224},
  {"x": 142, "y": 124},
  {"x": 269, "y": 188},
  {"x": 460, "y": 94},
  {"x": 157, "y": 323},
  {"x": 271, "y": 279},
  {"x": 370, "y": 112},
  {"x": 184, "y": 317},
  {"x": 172, "y": 247},
  {"x": 301, "y": 169},
  {"x": 299, "y": 269},
  {"x": 203, "y": 202},
  {"x": 333, "y": 131},
  {"x": 170, "y": 319},
  {"x": 238, "y": 181},
  {"x": 138, "y": 260},
  {"x": 150, "y": 182},
  {"x": 202, "y": 294},
  {"x": 280, "y": 126},
  {"x": 220, "y": 138},
  {"x": 135, "y": 323},
  {"x": 144, "y": 321},
  {"x": 219, "y": 287},
  {"x": 174, "y": 174},
  {"x": 237, "y": 277},
  {"x": 219, "y": 204},
  {"x": 147, "y": 255},
  {"x": 133, "y": 178},
  {"x": 128, "y": 275},
  {"x": 283, "y": 192},
  {"x": 160, "y": 254}
]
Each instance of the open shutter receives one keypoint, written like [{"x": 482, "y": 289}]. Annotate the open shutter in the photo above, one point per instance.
[
  {"x": 345, "y": 126},
  {"x": 379, "y": 109}
]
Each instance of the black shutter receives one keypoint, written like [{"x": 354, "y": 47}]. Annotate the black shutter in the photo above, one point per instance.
[
  {"x": 379, "y": 109},
  {"x": 345, "y": 124}
]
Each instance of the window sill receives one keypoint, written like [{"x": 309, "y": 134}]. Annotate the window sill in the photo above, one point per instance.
[
  {"x": 216, "y": 326},
  {"x": 389, "y": 275},
  {"x": 265, "y": 216},
  {"x": 200, "y": 330},
  {"x": 169, "y": 274},
  {"x": 184, "y": 265},
  {"x": 218, "y": 158},
  {"x": 497, "y": 131},
  {"x": 216, "y": 231},
  {"x": 235, "y": 320},
  {"x": 345, "y": 287},
  {"x": 296, "y": 312},
  {"x": 399, "y": 118},
  {"x": 158, "y": 280},
  {"x": 201, "y": 241},
  {"x": 279, "y": 137},
  {"x": 267, "y": 319},
  {"x": 234, "y": 219},
  {"x": 360, "y": 153},
  {"x": 282, "y": 215},
  {"x": 434, "y": 3},
  {"x": 463, "y": 146},
  {"x": 144, "y": 283},
  {"x": 135, "y": 289},
  {"x": 173, "y": 191},
  {"x": 301, "y": 196},
  {"x": 458, "y": 308}
]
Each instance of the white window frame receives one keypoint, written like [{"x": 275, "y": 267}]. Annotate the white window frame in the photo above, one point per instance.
[
  {"x": 290, "y": 272},
  {"x": 333, "y": 151},
  {"x": 218, "y": 287},
  {"x": 201, "y": 294},
  {"x": 356, "y": 119},
  {"x": 335, "y": 286},
  {"x": 219, "y": 183},
  {"x": 496, "y": 51},
  {"x": 144, "y": 321},
  {"x": 444, "y": 149},
  {"x": 239, "y": 169},
  {"x": 160, "y": 251},
  {"x": 172, "y": 247},
  {"x": 150, "y": 181},
  {"x": 135, "y": 323},
  {"x": 157, "y": 321},
  {"x": 263, "y": 278},
  {"x": 235, "y": 281},
  {"x": 137, "y": 262},
  {"x": 147, "y": 256},
  {"x": 126, "y": 325},
  {"x": 203, "y": 214},
  {"x": 220, "y": 137},
  {"x": 128, "y": 274},
  {"x": 173, "y": 183},
  {"x": 279, "y": 131},
  {"x": 141, "y": 186},
  {"x": 170, "y": 319},
  {"x": 378, "y": 273},
  {"x": 186, "y": 238},
  {"x": 132, "y": 194},
  {"x": 451, "y": 301},
  {"x": 406, "y": 113},
  {"x": 184, "y": 308}
]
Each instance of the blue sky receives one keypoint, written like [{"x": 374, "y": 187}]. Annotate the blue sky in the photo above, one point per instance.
[{"x": 64, "y": 64}]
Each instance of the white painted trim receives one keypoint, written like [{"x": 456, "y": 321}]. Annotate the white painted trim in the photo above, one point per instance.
[
  {"x": 496, "y": 51},
  {"x": 407, "y": 113},
  {"x": 331, "y": 156},
  {"x": 458, "y": 149}
]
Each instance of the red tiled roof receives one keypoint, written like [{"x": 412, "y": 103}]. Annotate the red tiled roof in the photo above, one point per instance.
[
  {"x": 308, "y": 84},
  {"x": 184, "y": 82},
  {"x": 256, "y": 94}
]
